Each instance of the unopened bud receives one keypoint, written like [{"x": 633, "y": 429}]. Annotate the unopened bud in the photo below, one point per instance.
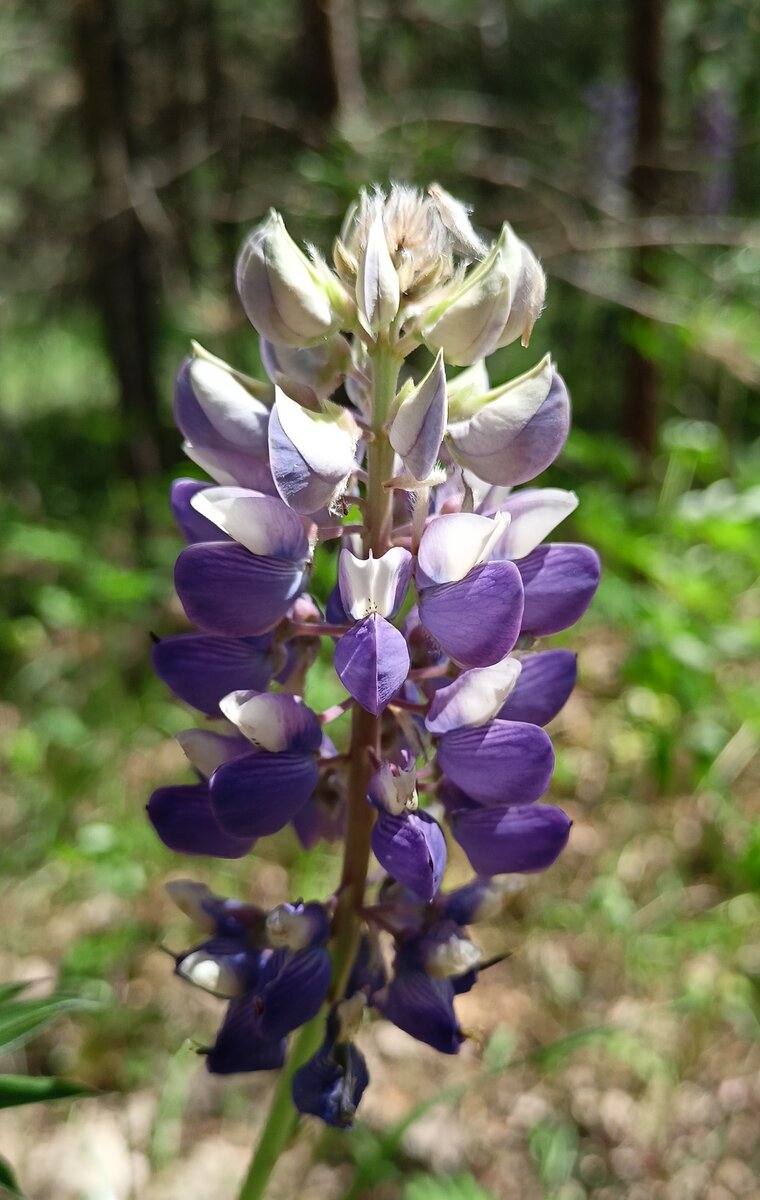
[
  {"x": 377, "y": 286},
  {"x": 286, "y": 296},
  {"x": 469, "y": 321},
  {"x": 349, "y": 1016},
  {"x": 296, "y": 926}
]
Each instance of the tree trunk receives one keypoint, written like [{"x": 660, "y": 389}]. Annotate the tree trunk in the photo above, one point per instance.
[
  {"x": 646, "y": 70},
  {"x": 120, "y": 253}
]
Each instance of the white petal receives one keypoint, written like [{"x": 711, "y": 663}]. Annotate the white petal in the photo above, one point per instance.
[
  {"x": 455, "y": 543},
  {"x": 257, "y": 718},
  {"x": 232, "y": 410},
  {"x": 377, "y": 287},
  {"x": 325, "y": 440},
  {"x": 474, "y": 698},
  {"x": 417, "y": 429},
  {"x": 535, "y": 513},
  {"x": 263, "y": 524},
  {"x": 373, "y": 585}
]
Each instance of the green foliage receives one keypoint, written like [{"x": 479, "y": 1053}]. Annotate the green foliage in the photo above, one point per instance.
[{"x": 459, "y": 1187}]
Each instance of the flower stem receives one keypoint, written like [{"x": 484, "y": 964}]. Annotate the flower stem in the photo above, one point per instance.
[{"x": 282, "y": 1118}]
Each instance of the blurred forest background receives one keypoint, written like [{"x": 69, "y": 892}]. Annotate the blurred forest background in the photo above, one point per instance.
[{"x": 616, "y": 1053}]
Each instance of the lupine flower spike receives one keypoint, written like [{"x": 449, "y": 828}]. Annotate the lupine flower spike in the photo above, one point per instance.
[{"x": 441, "y": 587}]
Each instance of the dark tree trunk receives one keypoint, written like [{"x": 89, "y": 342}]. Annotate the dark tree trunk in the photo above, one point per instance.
[
  {"x": 120, "y": 253},
  {"x": 646, "y": 70},
  {"x": 331, "y": 63}
]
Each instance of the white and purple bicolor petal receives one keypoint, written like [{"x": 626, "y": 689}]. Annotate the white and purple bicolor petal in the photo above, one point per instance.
[
  {"x": 502, "y": 762},
  {"x": 225, "y": 966},
  {"x": 470, "y": 605},
  {"x": 517, "y": 430},
  {"x": 331, "y": 1084},
  {"x": 374, "y": 585},
  {"x": 502, "y": 839},
  {"x": 559, "y": 581},
  {"x": 201, "y": 669},
  {"x": 242, "y": 590},
  {"x": 534, "y": 513},
  {"x": 418, "y": 427},
  {"x": 311, "y": 454},
  {"x": 274, "y": 721},
  {"x": 473, "y": 698},
  {"x": 297, "y": 926},
  {"x": 545, "y": 683},
  {"x": 192, "y": 526},
  {"x": 215, "y": 410},
  {"x": 372, "y": 662}
]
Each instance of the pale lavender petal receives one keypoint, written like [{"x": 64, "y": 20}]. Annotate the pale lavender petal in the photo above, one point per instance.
[
  {"x": 559, "y": 580},
  {"x": 206, "y": 749},
  {"x": 454, "y": 543},
  {"x": 545, "y": 683},
  {"x": 372, "y": 662},
  {"x": 185, "y": 822},
  {"x": 213, "y": 408},
  {"x": 513, "y": 438},
  {"x": 230, "y": 467},
  {"x": 412, "y": 849},
  {"x": 193, "y": 527},
  {"x": 225, "y": 590},
  {"x": 418, "y": 427},
  {"x": 477, "y": 620},
  {"x": 201, "y": 669},
  {"x": 535, "y": 512},
  {"x": 311, "y": 454},
  {"x": 498, "y": 841},
  {"x": 504, "y": 762},
  {"x": 257, "y": 795}
]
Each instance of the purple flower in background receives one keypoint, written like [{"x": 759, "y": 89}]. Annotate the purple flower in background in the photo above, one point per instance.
[{"x": 370, "y": 539}]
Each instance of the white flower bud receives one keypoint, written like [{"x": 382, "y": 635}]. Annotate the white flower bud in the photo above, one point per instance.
[
  {"x": 285, "y": 295},
  {"x": 528, "y": 292},
  {"x": 468, "y": 322},
  {"x": 377, "y": 286},
  {"x": 417, "y": 429}
]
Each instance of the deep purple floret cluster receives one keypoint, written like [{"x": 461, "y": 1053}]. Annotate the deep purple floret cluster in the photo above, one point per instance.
[{"x": 403, "y": 477}]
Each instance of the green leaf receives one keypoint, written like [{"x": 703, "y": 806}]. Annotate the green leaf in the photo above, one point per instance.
[
  {"x": 8, "y": 1185},
  {"x": 10, "y": 990},
  {"x": 26, "y": 1089},
  {"x": 459, "y": 1187},
  {"x": 20, "y": 1021}
]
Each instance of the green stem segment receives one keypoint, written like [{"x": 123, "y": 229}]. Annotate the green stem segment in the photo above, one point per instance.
[{"x": 282, "y": 1120}]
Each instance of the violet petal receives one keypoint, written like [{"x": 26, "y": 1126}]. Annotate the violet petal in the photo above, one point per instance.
[
  {"x": 498, "y": 841},
  {"x": 545, "y": 683},
  {"x": 476, "y": 621},
  {"x": 258, "y": 794},
  {"x": 185, "y": 822},
  {"x": 559, "y": 580},
  {"x": 503, "y": 762},
  {"x": 226, "y": 590},
  {"x": 201, "y": 669},
  {"x": 412, "y": 849},
  {"x": 372, "y": 662}
]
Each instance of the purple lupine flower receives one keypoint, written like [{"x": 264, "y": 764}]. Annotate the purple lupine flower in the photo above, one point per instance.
[{"x": 441, "y": 584}]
